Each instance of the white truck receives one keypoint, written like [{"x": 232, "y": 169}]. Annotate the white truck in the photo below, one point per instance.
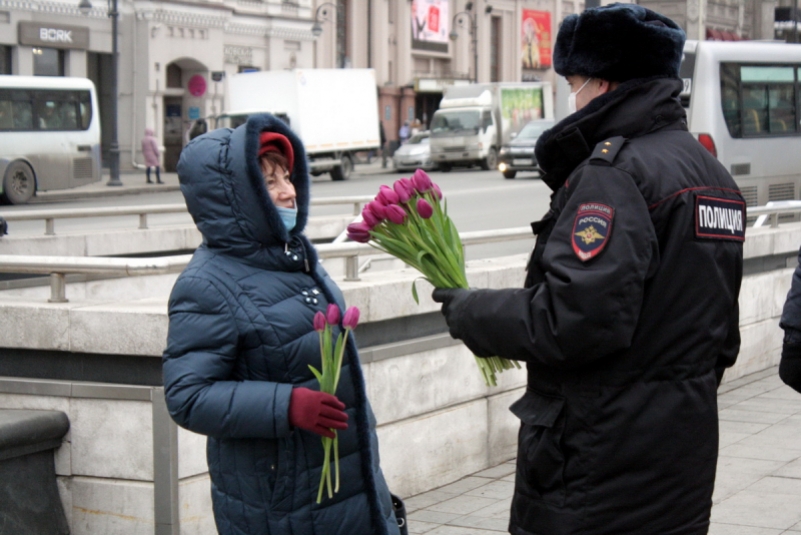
[
  {"x": 475, "y": 121},
  {"x": 333, "y": 111}
]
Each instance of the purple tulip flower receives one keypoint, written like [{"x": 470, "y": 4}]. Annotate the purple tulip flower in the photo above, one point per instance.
[
  {"x": 332, "y": 314},
  {"x": 359, "y": 232},
  {"x": 369, "y": 217},
  {"x": 351, "y": 319},
  {"x": 378, "y": 210},
  {"x": 396, "y": 214},
  {"x": 422, "y": 182},
  {"x": 404, "y": 188},
  {"x": 437, "y": 191},
  {"x": 424, "y": 208},
  {"x": 319, "y": 322},
  {"x": 387, "y": 196}
]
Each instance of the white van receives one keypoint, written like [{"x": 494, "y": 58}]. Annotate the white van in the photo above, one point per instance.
[{"x": 742, "y": 100}]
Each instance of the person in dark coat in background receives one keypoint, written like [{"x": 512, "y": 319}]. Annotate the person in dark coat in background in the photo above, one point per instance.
[
  {"x": 629, "y": 314},
  {"x": 198, "y": 129},
  {"x": 383, "y": 139},
  {"x": 150, "y": 152},
  {"x": 241, "y": 339},
  {"x": 790, "y": 364}
]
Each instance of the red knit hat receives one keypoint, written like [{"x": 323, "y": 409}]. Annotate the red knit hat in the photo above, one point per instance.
[{"x": 275, "y": 142}]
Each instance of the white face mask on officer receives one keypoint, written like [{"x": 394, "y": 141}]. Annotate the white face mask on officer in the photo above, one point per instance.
[{"x": 571, "y": 98}]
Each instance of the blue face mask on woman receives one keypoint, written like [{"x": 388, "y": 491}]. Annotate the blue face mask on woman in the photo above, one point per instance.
[{"x": 289, "y": 216}]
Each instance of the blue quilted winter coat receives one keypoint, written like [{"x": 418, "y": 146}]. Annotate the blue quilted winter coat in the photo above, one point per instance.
[{"x": 241, "y": 337}]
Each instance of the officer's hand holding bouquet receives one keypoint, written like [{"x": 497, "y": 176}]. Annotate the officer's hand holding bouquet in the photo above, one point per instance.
[{"x": 410, "y": 221}]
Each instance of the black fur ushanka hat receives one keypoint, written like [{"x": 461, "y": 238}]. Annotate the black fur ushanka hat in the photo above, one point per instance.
[{"x": 618, "y": 42}]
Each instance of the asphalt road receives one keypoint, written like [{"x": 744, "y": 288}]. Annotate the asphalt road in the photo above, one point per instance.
[{"x": 477, "y": 200}]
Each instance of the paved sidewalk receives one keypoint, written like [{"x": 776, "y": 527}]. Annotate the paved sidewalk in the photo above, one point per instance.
[
  {"x": 757, "y": 492},
  {"x": 133, "y": 183}
]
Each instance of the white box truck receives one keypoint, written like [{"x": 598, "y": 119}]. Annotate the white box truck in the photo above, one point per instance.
[
  {"x": 333, "y": 111},
  {"x": 474, "y": 121}
]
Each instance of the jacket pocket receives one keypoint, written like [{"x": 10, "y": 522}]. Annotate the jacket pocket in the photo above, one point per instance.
[{"x": 541, "y": 461}]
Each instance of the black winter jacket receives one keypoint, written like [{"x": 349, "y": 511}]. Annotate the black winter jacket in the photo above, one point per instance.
[
  {"x": 241, "y": 336},
  {"x": 630, "y": 306},
  {"x": 790, "y": 364}
]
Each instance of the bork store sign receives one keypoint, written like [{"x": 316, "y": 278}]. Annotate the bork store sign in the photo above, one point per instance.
[{"x": 53, "y": 35}]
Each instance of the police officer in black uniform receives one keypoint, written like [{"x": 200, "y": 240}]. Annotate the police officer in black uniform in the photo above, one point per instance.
[{"x": 629, "y": 313}]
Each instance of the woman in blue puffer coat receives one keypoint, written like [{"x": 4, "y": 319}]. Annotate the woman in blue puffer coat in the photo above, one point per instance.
[{"x": 241, "y": 339}]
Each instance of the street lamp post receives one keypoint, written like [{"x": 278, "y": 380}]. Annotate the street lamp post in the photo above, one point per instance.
[
  {"x": 114, "y": 164},
  {"x": 458, "y": 20},
  {"x": 321, "y": 15}
]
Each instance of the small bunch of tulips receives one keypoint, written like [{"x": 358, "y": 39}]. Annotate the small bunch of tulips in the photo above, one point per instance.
[
  {"x": 331, "y": 355},
  {"x": 410, "y": 221}
]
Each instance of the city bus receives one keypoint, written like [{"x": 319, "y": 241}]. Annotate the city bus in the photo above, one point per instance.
[
  {"x": 50, "y": 132},
  {"x": 743, "y": 104}
]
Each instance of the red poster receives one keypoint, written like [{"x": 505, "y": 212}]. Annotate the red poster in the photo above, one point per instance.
[
  {"x": 535, "y": 45},
  {"x": 433, "y": 19}
]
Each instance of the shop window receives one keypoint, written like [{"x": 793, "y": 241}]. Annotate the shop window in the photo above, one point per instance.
[
  {"x": 48, "y": 62},
  {"x": 5, "y": 59}
]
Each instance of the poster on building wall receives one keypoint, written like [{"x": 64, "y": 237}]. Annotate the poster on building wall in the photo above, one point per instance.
[
  {"x": 535, "y": 45},
  {"x": 430, "y": 20}
]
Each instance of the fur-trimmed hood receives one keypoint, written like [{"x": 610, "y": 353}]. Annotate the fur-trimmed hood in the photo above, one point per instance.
[
  {"x": 224, "y": 188},
  {"x": 618, "y": 42}
]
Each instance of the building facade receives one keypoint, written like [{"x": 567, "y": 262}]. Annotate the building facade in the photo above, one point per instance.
[{"x": 174, "y": 55}]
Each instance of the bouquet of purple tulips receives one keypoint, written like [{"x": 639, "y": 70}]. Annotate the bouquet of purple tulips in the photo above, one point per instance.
[
  {"x": 328, "y": 377},
  {"x": 410, "y": 221}
]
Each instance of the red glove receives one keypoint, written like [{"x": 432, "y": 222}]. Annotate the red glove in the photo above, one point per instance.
[{"x": 317, "y": 412}]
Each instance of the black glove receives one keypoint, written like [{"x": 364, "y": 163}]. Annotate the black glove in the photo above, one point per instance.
[
  {"x": 790, "y": 365},
  {"x": 453, "y": 300}
]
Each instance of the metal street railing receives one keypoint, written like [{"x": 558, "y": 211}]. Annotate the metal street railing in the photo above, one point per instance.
[
  {"x": 772, "y": 211},
  {"x": 60, "y": 266},
  {"x": 50, "y": 216}
]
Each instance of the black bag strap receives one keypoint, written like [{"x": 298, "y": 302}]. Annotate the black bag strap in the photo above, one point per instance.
[{"x": 400, "y": 514}]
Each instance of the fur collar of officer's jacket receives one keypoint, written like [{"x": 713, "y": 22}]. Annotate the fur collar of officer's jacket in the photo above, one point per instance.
[
  {"x": 635, "y": 108},
  {"x": 224, "y": 188}
]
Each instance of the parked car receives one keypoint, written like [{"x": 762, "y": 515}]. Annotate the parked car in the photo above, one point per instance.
[
  {"x": 414, "y": 154},
  {"x": 518, "y": 154}
]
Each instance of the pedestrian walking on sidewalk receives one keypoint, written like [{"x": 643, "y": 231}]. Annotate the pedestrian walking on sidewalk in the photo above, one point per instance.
[
  {"x": 629, "y": 314},
  {"x": 404, "y": 132},
  {"x": 790, "y": 364},
  {"x": 241, "y": 340},
  {"x": 150, "y": 151}
]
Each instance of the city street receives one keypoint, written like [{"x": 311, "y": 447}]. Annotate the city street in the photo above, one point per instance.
[{"x": 477, "y": 200}]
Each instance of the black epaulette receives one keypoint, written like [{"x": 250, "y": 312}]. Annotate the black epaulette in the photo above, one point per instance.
[{"x": 606, "y": 151}]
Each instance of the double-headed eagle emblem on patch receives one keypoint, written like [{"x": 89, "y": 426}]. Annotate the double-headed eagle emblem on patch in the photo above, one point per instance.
[
  {"x": 589, "y": 235},
  {"x": 592, "y": 229}
]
